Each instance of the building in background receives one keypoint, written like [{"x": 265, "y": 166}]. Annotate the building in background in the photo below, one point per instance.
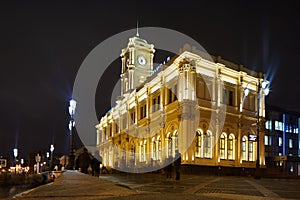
[
  {"x": 192, "y": 102},
  {"x": 282, "y": 150}
]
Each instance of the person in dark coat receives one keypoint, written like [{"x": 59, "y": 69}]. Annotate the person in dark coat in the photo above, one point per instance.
[
  {"x": 84, "y": 161},
  {"x": 177, "y": 164},
  {"x": 96, "y": 161},
  {"x": 169, "y": 167}
]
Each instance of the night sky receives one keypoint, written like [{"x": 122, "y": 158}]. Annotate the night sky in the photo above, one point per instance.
[{"x": 42, "y": 46}]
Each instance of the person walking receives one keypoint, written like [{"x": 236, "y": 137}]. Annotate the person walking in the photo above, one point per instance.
[
  {"x": 177, "y": 164},
  {"x": 84, "y": 161},
  {"x": 169, "y": 167},
  {"x": 96, "y": 161}
]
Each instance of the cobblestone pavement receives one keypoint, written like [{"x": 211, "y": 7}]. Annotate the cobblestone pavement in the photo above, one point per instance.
[
  {"x": 74, "y": 185},
  {"x": 212, "y": 187}
]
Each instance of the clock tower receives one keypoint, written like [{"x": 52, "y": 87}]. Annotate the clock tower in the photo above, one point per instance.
[{"x": 137, "y": 63}]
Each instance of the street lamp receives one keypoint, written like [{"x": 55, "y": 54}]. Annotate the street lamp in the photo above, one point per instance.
[
  {"x": 262, "y": 90},
  {"x": 51, "y": 158},
  {"x": 15, "y": 151},
  {"x": 72, "y": 108}
]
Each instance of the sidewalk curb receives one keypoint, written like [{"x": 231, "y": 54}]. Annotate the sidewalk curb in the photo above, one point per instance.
[{"x": 30, "y": 190}]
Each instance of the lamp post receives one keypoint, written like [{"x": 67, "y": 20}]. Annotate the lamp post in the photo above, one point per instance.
[
  {"x": 261, "y": 90},
  {"x": 15, "y": 151},
  {"x": 72, "y": 108},
  {"x": 51, "y": 157}
]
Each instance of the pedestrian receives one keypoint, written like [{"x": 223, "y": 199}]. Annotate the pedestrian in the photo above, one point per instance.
[
  {"x": 84, "y": 161},
  {"x": 169, "y": 167},
  {"x": 51, "y": 177},
  {"x": 177, "y": 164},
  {"x": 96, "y": 161}
]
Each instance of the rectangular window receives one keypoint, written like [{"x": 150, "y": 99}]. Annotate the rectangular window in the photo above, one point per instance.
[
  {"x": 154, "y": 152},
  {"x": 200, "y": 89},
  {"x": 222, "y": 148},
  {"x": 158, "y": 99},
  {"x": 224, "y": 96},
  {"x": 270, "y": 140},
  {"x": 143, "y": 111},
  {"x": 169, "y": 147},
  {"x": 132, "y": 153},
  {"x": 116, "y": 127},
  {"x": 158, "y": 102},
  {"x": 244, "y": 155},
  {"x": 288, "y": 128},
  {"x": 154, "y": 105},
  {"x": 124, "y": 121},
  {"x": 252, "y": 100},
  {"x": 132, "y": 117},
  {"x": 198, "y": 145},
  {"x": 269, "y": 125},
  {"x": 105, "y": 133},
  {"x": 266, "y": 140},
  {"x": 290, "y": 143},
  {"x": 208, "y": 88},
  {"x": 251, "y": 151},
  {"x": 230, "y": 148},
  {"x": 280, "y": 141},
  {"x": 296, "y": 129},
  {"x": 110, "y": 130},
  {"x": 278, "y": 126},
  {"x": 169, "y": 96},
  {"x": 159, "y": 150},
  {"x": 175, "y": 93},
  {"x": 231, "y": 98}
]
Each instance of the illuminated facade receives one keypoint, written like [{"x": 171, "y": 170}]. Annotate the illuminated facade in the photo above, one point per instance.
[{"x": 188, "y": 103}]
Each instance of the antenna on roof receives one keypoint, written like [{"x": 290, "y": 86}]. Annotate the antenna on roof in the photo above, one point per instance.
[{"x": 137, "y": 29}]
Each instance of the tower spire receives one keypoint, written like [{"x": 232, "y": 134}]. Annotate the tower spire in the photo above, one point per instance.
[{"x": 137, "y": 29}]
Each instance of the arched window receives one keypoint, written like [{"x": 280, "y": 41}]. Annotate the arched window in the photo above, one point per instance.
[
  {"x": 250, "y": 151},
  {"x": 223, "y": 146},
  {"x": 154, "y": 149},
  {"x": 199, "y": 145},
  {"x": 230, "y": 147},
  {"x": 116, "y": 164},
  {"x": 208, "y": 145},
  {"x": 244, "y": 148},
  {"x": 158, "y": 148},
  {"x": 175, "y": 145},
  {"x": 169, "y": 145},
  {"x": 132, "y": 152},
  {"x": 143, "y": 151}
]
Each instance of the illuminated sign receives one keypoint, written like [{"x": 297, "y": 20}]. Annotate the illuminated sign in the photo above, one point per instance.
[{"x": 252, "y": 137}]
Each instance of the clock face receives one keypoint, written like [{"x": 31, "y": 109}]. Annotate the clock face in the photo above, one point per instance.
[
  {"x": 127, "y": 62},
  {"x": 141, "y": 60}
]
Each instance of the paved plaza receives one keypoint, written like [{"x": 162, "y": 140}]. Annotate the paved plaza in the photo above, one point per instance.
[{"x": 74, "y": 185}]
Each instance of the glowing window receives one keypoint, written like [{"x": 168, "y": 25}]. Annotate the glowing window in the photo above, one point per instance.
[
  {"x": 269, "y": 125},
  {"x": 280, "y": 141},
  {"x": 208, "y": 145},
  {"x": 198, "y": 143},
  {"x": 223, "y": 146},
  {"x": 230, "y": 147},
  {"x": 266, "y": 140},
  {"x": 244, "y": 148},
  {"x": 278, "y": 126},
  {"x": 290, "y": 143}
]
